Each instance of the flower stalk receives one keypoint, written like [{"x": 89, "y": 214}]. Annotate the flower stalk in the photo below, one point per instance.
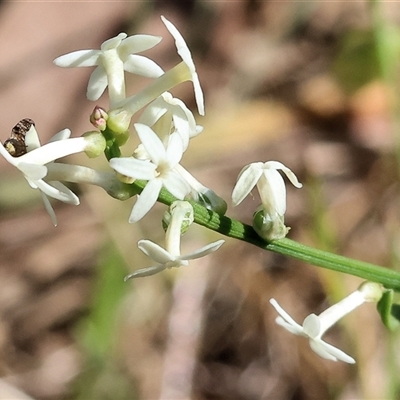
[{"x": 320, "y": 258}]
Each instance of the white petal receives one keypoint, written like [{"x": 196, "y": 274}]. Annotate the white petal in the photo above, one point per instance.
[
  {"x": 180, "y": 43},
  {"x": 247, "y": 179},
  {"x": 288, "y": 172},
  {"x": 141, "y": 273},
  {"x": 56, "y": 193},
  {"x": 155, "y": 252},
  {"x": 137, "y": 169},
  {"x": 295, "y": 330},
  {"x": 153, "y": 112},
  {"x": 32, "y": 140},
  {"x": 80, "y": 58},
  {"x": 198, "y": 93},
  {"x": 97, "y": 83},
  {"x": 70, "y": 196},
  {"x": 137, "y": 44},
  {"x": 272, "y": 189},
  {"x": 113, "y": 42},
  {"x": 210, "y": 248},
  {"x": 143, "y": 66},
  {"x": 174, "y": 150},
  {"x": 183, "y": 118},
  {"x": 329, "y": 352},
  {"x": 62, "y": 135},
  {"x": 285, "y": 320},
  {"x": 186, "y": 56},
  {"x": 176, "y": 185},
  {"x": 33, "y": 171},
  {"x": 146, "y": 200},
  {"x": 151, "y": 143},
  {"x": 49, "y": 209}
]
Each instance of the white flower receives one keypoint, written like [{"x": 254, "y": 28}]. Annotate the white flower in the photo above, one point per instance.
[
  {"x": 184, "y": 71},
  {"x": 33, "y": 164},
  {"x": 181, "y": 217},
  {"x": 271, "y": 187},
  {"x": 115, "y": 56},
  {"x": 170, "y": 114},
  {"x": 159, "y": 170},
  {"x": 315, "y": 326}
]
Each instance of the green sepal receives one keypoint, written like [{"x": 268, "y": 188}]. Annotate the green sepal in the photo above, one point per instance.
[
  {"x": 389, "y": 312},
  {"x": 112, "y": 146}
]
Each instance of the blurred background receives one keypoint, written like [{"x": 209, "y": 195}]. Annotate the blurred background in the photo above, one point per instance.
[{"x": 311, "y": 84}]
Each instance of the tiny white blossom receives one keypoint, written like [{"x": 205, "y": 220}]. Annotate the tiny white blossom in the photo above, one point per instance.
[
  {"x": 315, "y": 326},
  {"x": 184, "y": 71},
  {"x": 271, "y": 187},
  {"x": 115, "y": 56},
  {"x": 158, "y": 170},
  {"x": 181, "y": 216},
  {"x": 33, "y": 164}
]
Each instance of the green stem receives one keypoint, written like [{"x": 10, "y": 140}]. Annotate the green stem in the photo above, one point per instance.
[
  {"x": 112, "y": 148},
  {"x": 238, "y": 230}
]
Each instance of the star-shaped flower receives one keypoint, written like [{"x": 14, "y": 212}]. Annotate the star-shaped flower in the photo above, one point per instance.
[
  {"x": 158, "y": 170},
  {"x": 181, "y": 216},
  {"x": 33, "y": 164},
  {"x": 271, "y": 187},
  {"x": 115, "y": 56},
  {"x": 315, "y": 326},
  {"x": 184, "y": 71},
  {"x": 166, "y": 260}
]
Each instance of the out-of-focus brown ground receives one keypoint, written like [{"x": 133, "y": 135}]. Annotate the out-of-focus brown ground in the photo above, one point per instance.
[{"x": 207, "y": 332}]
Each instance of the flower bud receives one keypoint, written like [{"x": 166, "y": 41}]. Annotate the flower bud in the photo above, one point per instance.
[{"x": 98, "y": 118}]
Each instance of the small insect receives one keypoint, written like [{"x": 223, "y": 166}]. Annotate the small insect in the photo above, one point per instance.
[{"x": 15, "y": 145}]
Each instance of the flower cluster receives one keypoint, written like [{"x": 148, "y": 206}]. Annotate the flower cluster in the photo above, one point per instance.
[
  {"x": 166, "y": 124},
  {"x": 165, "y": 129}
]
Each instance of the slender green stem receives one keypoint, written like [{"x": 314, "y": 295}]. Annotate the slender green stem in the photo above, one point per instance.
[{"x": 238, "y": 230}]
